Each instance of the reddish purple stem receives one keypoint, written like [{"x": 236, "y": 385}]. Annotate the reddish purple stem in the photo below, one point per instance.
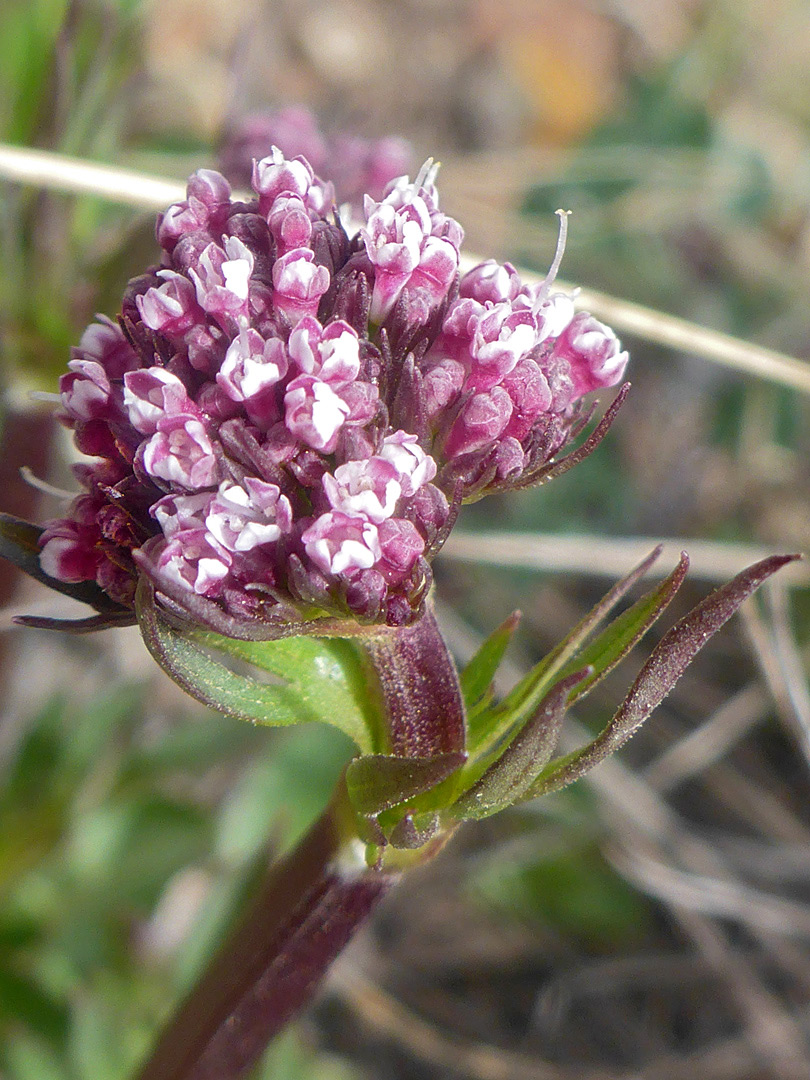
[
  {"x": 420, "y": 689},
  {"x": 305, "y": 913}
]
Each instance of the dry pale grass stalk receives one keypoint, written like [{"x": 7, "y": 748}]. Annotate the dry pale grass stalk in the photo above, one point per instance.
[
  {"x": 781, "y": 665},
  {"x": 709, "y": 741},
  {"x": 609, "y": 557},
  {"x": 42, "y": 168}
]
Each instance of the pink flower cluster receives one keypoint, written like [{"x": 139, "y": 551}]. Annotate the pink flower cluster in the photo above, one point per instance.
[
  {"x": 284, "y": 420},
  {"x": 356, "y": 166}
]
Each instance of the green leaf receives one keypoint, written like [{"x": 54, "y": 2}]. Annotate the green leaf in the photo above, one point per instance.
[
  {"x": 616, "y": 641},
  {"x": 23, "y": 1001},
  {"x": 479, "y": 673},
  {"x": 488, "y": 728},
  {"x": 515, "y": 768},
  {"x": 31, "y": 1058},
  {"x": 378, "y": 782},
  {"x": 667, "y": 663},
  {"x": 322, "y": 680},
  {"x": 518, "y": 766}
]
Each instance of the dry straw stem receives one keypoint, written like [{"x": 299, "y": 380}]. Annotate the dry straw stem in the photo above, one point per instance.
[
  {"x": 387, "y": 1017},
  {"x": 609, "y": 556},
  {"x": 42, "y": 168}
]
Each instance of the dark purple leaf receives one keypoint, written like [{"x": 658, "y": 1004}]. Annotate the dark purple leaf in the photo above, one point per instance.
[
  {"x": 19, "y": 543},
  {"x": 518, "y": 766},
  {"x": 669, "y": 660}
]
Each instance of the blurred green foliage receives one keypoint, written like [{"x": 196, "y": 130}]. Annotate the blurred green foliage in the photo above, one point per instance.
[{"x": 101, "y": 819}]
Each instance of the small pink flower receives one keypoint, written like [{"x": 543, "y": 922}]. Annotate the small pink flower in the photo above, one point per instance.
[
  {"x": 192, "y": 560},
  {"x": 501, "y": 338},
  {"x": 393, "y": 237},
  {"x": 342, "y": 545},
  {"x": 414, "y": 468},
  {"x": 222, "y": 278},
  {"x": 367, "y": 488},
  {"x": 314, "y": 413},
  {"x": 152, "y": 394},
  {"x": 593, "y": 352},
  {"x": 362, "y": 401},
  {"x": 250, "y": 372},
  {"x": 170, "y": 308},
  {"x": 179, "y": 513},
  {"x": 274, "y": 176},
  {"x": 333, "y": 354},
  {"x": 299, "y": 284},
  {"x": 210, "y": 188},
  {"x": 241, "y": 518},
  {"x": 431, "y": 279},
  {"x": 86, "y": 391},
  {"x": 552, "y": 315},
  {"x": 490, "y": 281},
  {"x": 180, "y": 452},
  {"x": 179, "y": 220}
]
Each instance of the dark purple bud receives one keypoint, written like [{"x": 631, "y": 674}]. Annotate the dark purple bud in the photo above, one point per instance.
[
  {"x": 365, "y": 594},
  {"x": 401, "y": 545},
  {"x": 428, "y": 509}
]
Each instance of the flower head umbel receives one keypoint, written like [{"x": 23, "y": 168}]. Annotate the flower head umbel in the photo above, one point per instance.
[{"x": 285, "y": 419}]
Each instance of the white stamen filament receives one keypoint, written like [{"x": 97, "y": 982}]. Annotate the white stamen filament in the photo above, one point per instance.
[
  {"x": 43, "y": 485},
  {"x": 548, "y": 280}
]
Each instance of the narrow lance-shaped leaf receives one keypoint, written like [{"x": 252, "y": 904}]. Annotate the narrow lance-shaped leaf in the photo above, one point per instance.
[
  {"x": 378, "y": 782},
  {"x": 668, "y": 661},
  {"x": 515, "y": 770},
  {"x": 487, "y": 728},
  {"x": 478, "y": 674},
  {"x": 615, "y": 642}
]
